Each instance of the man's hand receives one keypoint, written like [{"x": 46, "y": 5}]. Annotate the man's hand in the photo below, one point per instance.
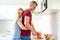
[
  {"x": 34, "y": 33},
  {"x": 39, "y": 35}
]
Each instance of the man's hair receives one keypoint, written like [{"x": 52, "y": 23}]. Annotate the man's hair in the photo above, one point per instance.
[{"x": 34, "y": 2}]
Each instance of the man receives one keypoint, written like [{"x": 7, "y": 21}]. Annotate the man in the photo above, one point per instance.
[{"x": 27, "y": 21}]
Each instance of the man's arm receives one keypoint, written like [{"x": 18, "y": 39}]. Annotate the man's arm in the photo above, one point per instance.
[
  {"x": 32, "y": 25},
  {"x": 21, "y": 25},
  {"x": 27, "y": 24},
  {"x": 35, "y": 30}
]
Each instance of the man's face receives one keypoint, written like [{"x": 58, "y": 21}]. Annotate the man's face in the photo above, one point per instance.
[{"x": 33, "y": 7}]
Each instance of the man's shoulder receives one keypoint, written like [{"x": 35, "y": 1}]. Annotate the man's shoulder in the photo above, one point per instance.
[{"x": 26, "y": 10}]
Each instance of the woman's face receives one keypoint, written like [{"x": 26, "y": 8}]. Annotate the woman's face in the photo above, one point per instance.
[{"x": 20, "y": 13}]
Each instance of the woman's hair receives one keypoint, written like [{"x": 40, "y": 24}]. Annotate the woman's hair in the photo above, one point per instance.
[
  {"x": 20, "y": 9},
  {"x": 16, "y": 16}
]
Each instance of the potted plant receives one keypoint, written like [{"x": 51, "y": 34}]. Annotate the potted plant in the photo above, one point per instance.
[{"x": 47, "y": 36}]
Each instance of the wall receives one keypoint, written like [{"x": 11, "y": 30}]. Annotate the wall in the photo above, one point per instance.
[
  {"x": 58, "y": 15},
  {"x": 14, "y": 2},
  {"x": 42, "y": 23},
  {"x": 53, "y": 4},
  {"x": 55, "y": 23}
]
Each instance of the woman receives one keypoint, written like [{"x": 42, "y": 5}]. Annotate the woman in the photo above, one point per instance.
[{"x": 18, "y": 25}]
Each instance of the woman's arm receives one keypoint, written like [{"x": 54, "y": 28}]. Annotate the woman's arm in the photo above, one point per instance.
[{"x": 21, "y": 25}]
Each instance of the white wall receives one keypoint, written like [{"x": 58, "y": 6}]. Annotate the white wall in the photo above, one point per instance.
[
  {"x": 55, "y": 23},
  {"x": 42, "y": 23},
  {"x": 9, "y": 11},
  {"x": 53, "y": 4},
  {"x": 14, "y": 2},
  {"x": 58, "y": 15}
]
